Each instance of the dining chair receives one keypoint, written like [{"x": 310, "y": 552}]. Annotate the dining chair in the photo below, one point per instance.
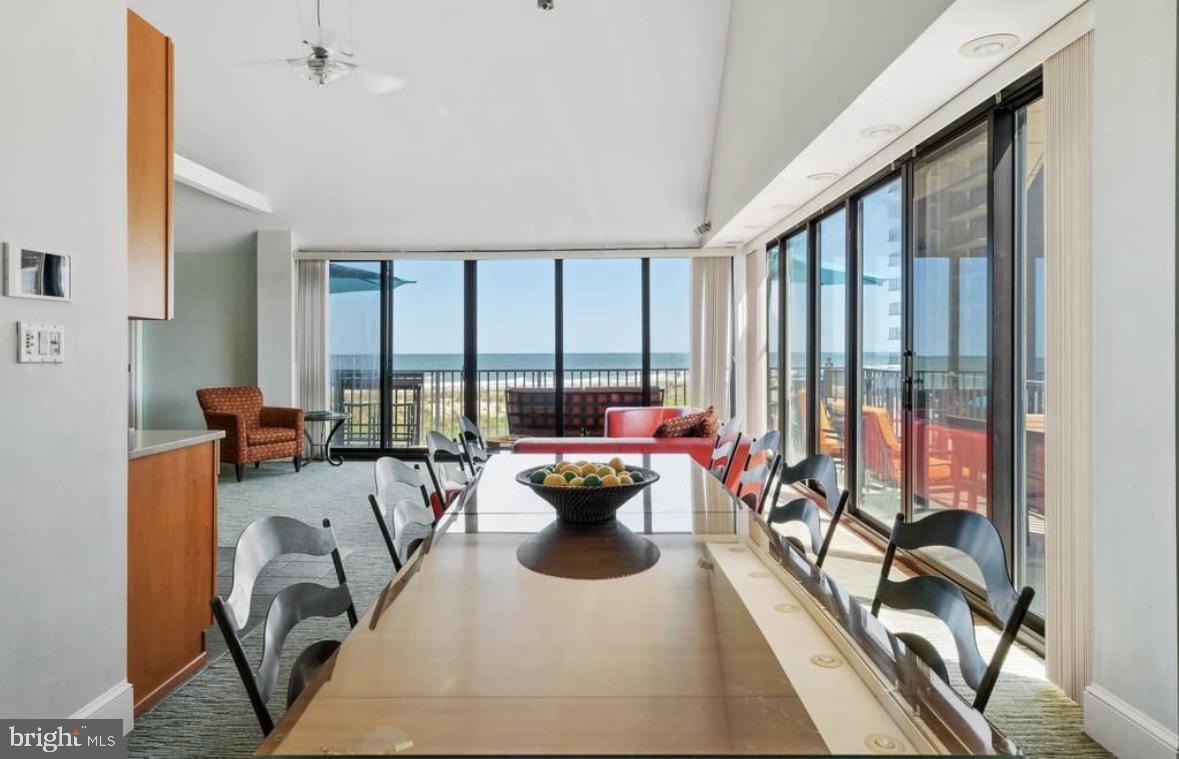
[
  {"x": 473, "y": 445},
  {"x": 260, "y": 543},
  {"x": 975, "y": 536},
  {"x": 761, "y": 464},
  {"x": 816, "y": 472},
  {"x": 400, "y": 503},
  {"x": 448, "y": 480},
  {"x": 724, "y": 449}
]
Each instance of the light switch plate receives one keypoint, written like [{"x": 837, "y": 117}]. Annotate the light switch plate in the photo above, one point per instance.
[{"x": 38, "y": 343}]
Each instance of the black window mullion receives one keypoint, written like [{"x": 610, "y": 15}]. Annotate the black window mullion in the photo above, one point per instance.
[
  {"x": 813, "y": 332},
  {"x": 907, "y": 257},
  {"x": 471, "y": 340},
  {"x": 851, "y": 386},
  {"x": 559, "y": 348},
  {"x": 386, "y": 356},
  {"x": 646, "y": 331},
  {"x": 1001, "y": 338}
]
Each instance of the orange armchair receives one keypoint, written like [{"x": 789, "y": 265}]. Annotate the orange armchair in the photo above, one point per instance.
[{"x": 253, "y": 432}]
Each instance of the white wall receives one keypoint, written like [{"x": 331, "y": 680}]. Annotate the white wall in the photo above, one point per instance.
[
  {"x": 788, "y": 74},
  {"x": 212, "y": 342},
  {"x": 63, "y": 454},
  {"x": 276, "y": 317},
  {"x": 1133, "y": 704}
]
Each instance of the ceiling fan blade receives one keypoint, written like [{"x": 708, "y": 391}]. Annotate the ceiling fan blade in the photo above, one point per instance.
[{"x": 378, "y": 83}]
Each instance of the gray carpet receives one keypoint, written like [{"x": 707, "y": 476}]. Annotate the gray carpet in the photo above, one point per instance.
[{"x": 209, "y": 716}]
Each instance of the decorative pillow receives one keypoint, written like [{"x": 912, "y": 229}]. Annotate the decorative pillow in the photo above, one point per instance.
[
  {"x": 709, "y": 425},
  {"x": 680, "y": 426}
]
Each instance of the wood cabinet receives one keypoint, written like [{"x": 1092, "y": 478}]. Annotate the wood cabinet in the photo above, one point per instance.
[
  {"x": 171, "y": 566},
  {"x": 149, "y": 171}
]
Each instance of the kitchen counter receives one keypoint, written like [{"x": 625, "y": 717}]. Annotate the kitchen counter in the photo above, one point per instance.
[{"x": 148, "y": 442}]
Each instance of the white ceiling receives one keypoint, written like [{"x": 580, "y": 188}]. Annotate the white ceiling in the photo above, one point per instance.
[{"x": 590, "y": 125}]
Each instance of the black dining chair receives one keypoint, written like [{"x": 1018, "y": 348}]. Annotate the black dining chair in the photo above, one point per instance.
[
  {"x": 818, "y": 474},
  {"x": 761, "y": 465},
  {"x": 401, "y": 506},
  {"x": 724, "y": 449},
  {"x": 471, "y": 440},
  {"x": 975, "y": 536},
  {"x": 260, "y": 543}
]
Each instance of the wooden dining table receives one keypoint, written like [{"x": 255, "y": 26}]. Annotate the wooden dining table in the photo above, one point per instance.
[{"x": 731, "y": 643}]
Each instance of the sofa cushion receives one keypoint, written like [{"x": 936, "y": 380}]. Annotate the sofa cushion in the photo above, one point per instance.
[
  {"x": 682, "y": 426},
  {"x": 267, "y": 435},
  {"x": 640, "y": 421},
  {"x": 709, "y": 424}
]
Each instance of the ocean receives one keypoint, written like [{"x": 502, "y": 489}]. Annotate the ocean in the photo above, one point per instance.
[{"x": 502, "y": 361}]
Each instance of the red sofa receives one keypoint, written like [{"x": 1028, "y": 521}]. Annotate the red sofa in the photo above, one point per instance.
[{"x": 632, "y": 430}]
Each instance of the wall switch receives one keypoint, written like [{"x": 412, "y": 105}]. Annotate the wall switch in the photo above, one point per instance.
[{"x": 40, "y": 343}]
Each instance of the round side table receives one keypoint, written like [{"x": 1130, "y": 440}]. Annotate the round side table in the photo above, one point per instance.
[{"x": 332, "y": 421}]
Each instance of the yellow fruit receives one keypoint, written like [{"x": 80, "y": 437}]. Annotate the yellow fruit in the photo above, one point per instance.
[
  {"x": 586, "y": 470},
  {"x": 580, "y": 464},
  {"x": 611, "y": 481},
  {"x": 617, "y": 465},
  {"x": 605, "y": 471},
  {"x": 625, "y": 479},
  {"x": 555, "y": 480},
  {"x": 576, "y": 482}
]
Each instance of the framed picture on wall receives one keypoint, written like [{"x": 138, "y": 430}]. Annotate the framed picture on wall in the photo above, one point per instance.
[{"x": 32, "y": 273}]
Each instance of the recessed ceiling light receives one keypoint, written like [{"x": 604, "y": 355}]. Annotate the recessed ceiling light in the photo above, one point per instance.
[
  {"x": 880, "y": 130},
  {"x": 992, "y": 44},
  {"x": 823, "y": 176}
]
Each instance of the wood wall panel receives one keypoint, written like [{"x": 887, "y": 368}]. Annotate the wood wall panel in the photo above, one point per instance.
[
  {"x": 149, "y": 171},
  {"x": 171, "y": 566}
]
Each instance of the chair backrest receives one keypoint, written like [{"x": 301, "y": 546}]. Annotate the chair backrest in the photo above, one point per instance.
[
  {"x": 401, "y": 491},
  {"x": 439, "y": 450},
  {"x": 473, "y": 445},
  {"x": 818, "y": 473},
  {"x": 761, "y": 465},
  {"x": 245, "y": 401},
  {"x": 261, "y": 542},
  {"x": 975, "y": 536},
  {"x": 724, "y": 449}
]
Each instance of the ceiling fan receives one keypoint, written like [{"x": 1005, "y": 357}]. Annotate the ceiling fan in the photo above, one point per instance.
[{"x": 329, "y": 59}]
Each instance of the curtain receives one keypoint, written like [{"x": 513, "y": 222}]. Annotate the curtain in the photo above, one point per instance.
[
  {"x": 708, "y": 380},
  {"x": 311, "y": 320},
  {"x": 754, "y": 334},
  {"x": 1068, "y": 118}
]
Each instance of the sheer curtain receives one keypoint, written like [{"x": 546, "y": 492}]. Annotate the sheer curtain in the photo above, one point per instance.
[
  {"x": 1068, "y": 112},
  {"x": 754, "y": 328},
  {"x": 708, "y": 381},
  {"x": 311, "y": 349}
]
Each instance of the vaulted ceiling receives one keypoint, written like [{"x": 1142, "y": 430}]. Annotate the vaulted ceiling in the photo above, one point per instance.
[{"x": 588, "y": 125}]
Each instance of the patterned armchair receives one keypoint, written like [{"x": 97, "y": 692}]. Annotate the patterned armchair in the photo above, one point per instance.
[{"x": 253, "y": 432}]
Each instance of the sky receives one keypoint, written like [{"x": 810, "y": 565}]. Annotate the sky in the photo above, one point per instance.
[{"x": 515, "y": 308}]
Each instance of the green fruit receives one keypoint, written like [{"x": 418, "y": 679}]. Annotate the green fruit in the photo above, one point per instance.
[
  {"x": 636, "y": 477},
  {"x": 593, "y": 481},
  {"x": 569, "y": 475},
  {"x": 538, "y": 476}
]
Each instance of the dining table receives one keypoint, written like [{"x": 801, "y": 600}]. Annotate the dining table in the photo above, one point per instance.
[{"x": 721, "y": 638}]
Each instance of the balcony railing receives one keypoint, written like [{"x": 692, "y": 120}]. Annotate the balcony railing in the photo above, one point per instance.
[{"x": 432, "y": 399}]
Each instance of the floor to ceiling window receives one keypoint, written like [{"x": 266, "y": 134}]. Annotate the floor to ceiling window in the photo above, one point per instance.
[
  {"x": 603, "y": 337},
  {"x": 796, "y": 263},
  {"x": 832, "y": 313},
  {"x": 426, "y": 378},
  {"x": 1030, "y": 369},
  {"x": 881, "y": 430},
  {"x": 516, "y": 307},
  {"x": 951, "y": 318},
  {"x": 354, "y": 350},
  {"x": 773, "y": 325},
  {"x": 671, "y": 298}
]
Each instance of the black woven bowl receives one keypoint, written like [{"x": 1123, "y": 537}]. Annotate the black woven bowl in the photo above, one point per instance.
[{"x": 587, "y": 504}]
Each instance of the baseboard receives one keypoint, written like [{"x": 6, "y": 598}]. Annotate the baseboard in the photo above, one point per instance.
[
  {"x": 116, "y": 703},
  {"x": 1124, "y": 730}
]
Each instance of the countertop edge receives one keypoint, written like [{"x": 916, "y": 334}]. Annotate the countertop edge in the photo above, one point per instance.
[{"x": 143, "y": 443}]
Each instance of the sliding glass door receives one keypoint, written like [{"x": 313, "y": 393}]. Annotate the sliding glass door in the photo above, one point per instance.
[
  {"x": 832, "y": 312},
  {"x": 796, "y": 265},
  {"x": 951, "y": 315},
  {"x": 1031, "y": 375},
  {"x": 354, "y": 350},
  {"x": 773, "y": 328},
  {"x": 881, "y": 296}
]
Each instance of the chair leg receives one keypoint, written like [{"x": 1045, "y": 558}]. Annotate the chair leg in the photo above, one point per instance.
[
  {"x": 298, "y": 463},
  {"x": 239, "y": 469}
]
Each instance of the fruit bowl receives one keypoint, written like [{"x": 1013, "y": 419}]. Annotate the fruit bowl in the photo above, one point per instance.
[{"x": 587, "y": 503}]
